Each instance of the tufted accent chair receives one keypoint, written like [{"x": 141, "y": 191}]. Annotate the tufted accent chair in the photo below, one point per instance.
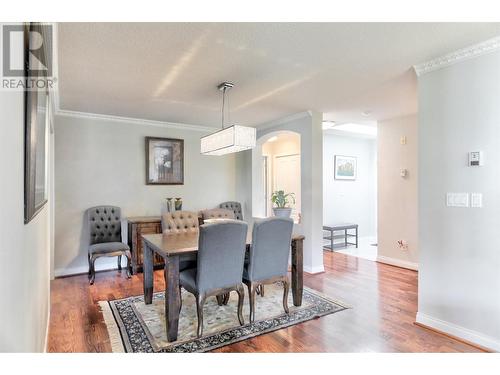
[
  {"x": 105, "y": 233},
  {"x": 217, "y": 213},
  {"x": 235, "y": 207},
  {"x": 180, "y": 222}
]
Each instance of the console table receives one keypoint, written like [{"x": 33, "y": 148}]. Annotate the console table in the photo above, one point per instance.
[
  {"x": 138, "y": 226},
  {"x": 345, "y": 227}
]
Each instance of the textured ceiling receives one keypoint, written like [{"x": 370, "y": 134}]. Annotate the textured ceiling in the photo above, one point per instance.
[{"x": 169, "y": 71}]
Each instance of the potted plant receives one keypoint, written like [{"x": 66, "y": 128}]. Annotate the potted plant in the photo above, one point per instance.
[{"x": 282, "y": 203}]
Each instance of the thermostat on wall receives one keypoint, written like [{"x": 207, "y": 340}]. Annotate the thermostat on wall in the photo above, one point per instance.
[{"x": 476, "y": 158}]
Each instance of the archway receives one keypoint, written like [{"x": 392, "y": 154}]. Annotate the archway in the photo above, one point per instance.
[{"x": 276, "y": 165}]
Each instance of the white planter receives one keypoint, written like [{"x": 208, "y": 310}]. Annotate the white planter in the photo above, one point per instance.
[{"x": 282, "y": 212}]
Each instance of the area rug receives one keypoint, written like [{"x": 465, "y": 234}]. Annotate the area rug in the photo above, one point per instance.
[{"x": 135, "y": 327}]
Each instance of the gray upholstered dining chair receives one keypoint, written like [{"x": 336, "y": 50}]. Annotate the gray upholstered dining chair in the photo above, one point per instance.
[
  {"x": 179, "y": 222},
  {"x": 235, "y": 207},
  {"x": 268, "y": 258},
  {"x": 106, "y": 237},
  {"x": 221, "y": 253}
]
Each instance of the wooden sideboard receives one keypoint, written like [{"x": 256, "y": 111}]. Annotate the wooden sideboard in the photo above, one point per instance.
[{"x": 138, "y": 226}]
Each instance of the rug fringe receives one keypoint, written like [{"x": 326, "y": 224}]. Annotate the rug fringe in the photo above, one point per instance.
[{"x": 112, "y": 327}]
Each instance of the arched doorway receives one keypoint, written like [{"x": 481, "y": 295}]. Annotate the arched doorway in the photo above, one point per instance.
[{"x": 276, "y": 165}]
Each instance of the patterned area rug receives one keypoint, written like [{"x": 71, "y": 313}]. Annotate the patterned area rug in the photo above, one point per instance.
[{"x": 137, "y": 328}]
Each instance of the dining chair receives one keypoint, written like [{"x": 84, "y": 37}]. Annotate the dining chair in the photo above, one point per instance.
[
  {"x": 268, "y": 258},
  {"x": 105, "y": 232},
  {"x": 217, "y": 213},
  {"x": 178, "y": 223},
  {"x": 235, "y": 207},
  {"x": 221, "y": 252}
]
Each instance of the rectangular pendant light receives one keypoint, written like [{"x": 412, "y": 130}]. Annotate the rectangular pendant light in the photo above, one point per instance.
[{"x": 229, "y": 140}]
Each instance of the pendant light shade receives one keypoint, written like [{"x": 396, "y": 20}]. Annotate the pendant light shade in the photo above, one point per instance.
[
  {"x": 231, "y": 139},
  {"x": 226, "y": 141}
]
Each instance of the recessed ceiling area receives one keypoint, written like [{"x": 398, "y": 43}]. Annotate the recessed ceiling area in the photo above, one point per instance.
[{"x": 169, "y": 71}]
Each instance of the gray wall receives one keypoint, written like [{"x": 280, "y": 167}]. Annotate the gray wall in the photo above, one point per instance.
[
  {"x": 459, "y": 271},
  {"x": 103, "y": 162},
  {"x": 24, "y": 249},
  {"x": 347, "y": 200}
]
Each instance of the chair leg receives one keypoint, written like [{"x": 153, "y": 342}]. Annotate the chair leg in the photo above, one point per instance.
[
  {"x": 180, "y": 304},
  {"x": 241, "y": 298},
  {"x": 92, "y": 269},
  {"x": 119, "y": 262},
  {"x": 129, "y": 264},
  {"x": 200, "y": 301},
  {"x": 262, "y": 290},
  {"x": 251, "y": 297},
  {"x": 225, "y": 298},
  {"x": 88, "y": 258},
  {"x": 220, "y": 299},
  {"x": 286, "y": 286}
]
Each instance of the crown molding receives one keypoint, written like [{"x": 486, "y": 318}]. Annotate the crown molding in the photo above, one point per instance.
[
  {"x": 136, "y": 121},
  {"x": 282, "y": 120},
  {"x": 483, "y": 48}
]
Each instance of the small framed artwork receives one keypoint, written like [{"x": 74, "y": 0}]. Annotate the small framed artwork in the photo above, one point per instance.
[
  {"x": 164, "y": 161},
  {"x": 345, "y": 167}
]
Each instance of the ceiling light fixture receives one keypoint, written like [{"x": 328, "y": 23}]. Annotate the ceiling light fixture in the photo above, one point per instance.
[{"x": 228, "y": 140}]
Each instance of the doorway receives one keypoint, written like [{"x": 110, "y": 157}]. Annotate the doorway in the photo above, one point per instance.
[
  {"x": 350, "y": 189},
  {"x": 280, "y": 157}
]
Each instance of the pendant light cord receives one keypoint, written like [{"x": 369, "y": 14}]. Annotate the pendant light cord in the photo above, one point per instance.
[{"x": 223, "y": 104}]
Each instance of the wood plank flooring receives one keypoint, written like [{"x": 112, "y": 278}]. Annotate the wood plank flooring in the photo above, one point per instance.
[{"x": 383, "y": 300}]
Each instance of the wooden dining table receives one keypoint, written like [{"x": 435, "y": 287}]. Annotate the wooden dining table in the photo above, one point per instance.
[{"x": 172, "y": 246}]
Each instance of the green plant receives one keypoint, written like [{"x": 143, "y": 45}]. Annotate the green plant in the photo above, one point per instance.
[{"x": 282, "y": 200}]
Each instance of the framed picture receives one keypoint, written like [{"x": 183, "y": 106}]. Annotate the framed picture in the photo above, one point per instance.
[
  {"x": 345, "y": 167},
  {"x": 164, "y": 161},
  {"x": 36, "y": 135}
]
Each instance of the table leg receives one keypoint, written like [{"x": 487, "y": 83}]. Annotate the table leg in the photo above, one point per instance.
[
  {"x": 148, "y": 276},
  {"x": 356, "y": 237},
  {"x": 297, "y": 271},
  {"x": 172, "y": 296},
  {"x": 345, "y": 237}
]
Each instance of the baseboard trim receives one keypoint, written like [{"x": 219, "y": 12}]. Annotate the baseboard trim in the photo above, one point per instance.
[
  {"x": 73, "y": 271},
  {"x": 397, "y": 262},
  {"x": 456, "y": 332},
  {"x": 313, "y": 270},
  {"x": 46, "y": 345}
]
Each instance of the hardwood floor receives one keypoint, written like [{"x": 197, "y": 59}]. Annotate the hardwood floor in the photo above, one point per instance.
[{"x": 383, "y": 300}]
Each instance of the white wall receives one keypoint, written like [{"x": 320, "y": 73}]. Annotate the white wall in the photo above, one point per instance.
[
  {"x": 346, "y": 201},
  {"x": 459, "y": 271},
  {"x": 103, "y": 162},
  {"x": 308, "y": 125},
  {"x": 24, "y": 249},
  {"x": 397, "y": 196}
]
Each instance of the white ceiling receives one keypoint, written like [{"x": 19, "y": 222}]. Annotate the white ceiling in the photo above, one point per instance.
[{"x": 169, "y": 71}]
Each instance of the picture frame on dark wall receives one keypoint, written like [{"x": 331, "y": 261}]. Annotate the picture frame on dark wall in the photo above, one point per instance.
[
  {"x": 345, "y": 167},
  {"x": 36, "y": 130},
  {"x": 164, "y": 161}
]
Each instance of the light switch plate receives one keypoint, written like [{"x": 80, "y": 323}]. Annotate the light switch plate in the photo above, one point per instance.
[
  {"x": 476, "y": 200},
  {"x": 457, "y": 199}
]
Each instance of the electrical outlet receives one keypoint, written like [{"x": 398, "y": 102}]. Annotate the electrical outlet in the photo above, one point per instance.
[{"x": 403, "y": 244}]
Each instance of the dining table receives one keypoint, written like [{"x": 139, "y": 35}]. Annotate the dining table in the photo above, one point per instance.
[{"x": 172, "y": 246}]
